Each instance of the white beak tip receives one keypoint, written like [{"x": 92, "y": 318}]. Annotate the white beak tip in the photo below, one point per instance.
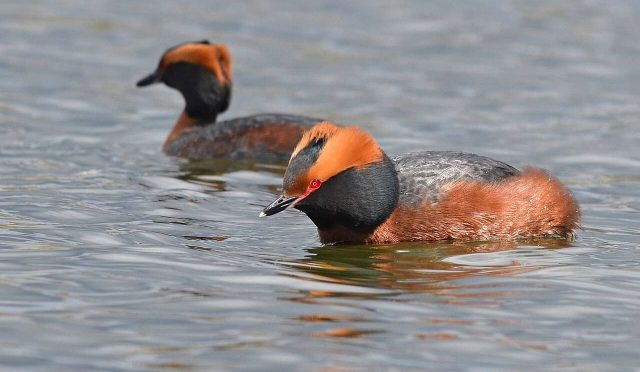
[{"x": 262, "y": 214}]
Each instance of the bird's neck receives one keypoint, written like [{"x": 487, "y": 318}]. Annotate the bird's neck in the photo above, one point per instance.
[
  {"x": 203, "y": 108},
  {"x": 184, "y": 124},
  {"x": 205, "y": 97},
  {"x": 354, "y": 203}
]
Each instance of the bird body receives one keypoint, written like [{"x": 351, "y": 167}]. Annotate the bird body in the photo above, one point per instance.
[
  {"x": 202, "y": 73},
  {"x": 263, "y": 136},
  {"x": 356, "y": 194}
]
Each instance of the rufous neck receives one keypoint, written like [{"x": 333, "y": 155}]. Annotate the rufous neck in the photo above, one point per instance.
[{"x": 184, "y": 124}]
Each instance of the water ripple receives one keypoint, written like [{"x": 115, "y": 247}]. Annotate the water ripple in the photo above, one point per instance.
[{"x": 116, "y": 257}]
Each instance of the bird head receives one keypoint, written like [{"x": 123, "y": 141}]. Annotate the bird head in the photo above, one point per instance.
[
  {"x": 201, "y": 72},
  {"x": 338, "y": 175}
]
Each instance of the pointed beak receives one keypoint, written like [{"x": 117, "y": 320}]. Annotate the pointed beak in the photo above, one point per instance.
[
  {"x": 152, "y": 78},
  {"x": 280, "y": 204}
]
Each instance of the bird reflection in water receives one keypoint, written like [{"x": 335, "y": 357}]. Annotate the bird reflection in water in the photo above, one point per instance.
[
  {"x": 415, "y": 267},
  {"x": 211, "y": 172},
  {"x": 429, "y": 268}
]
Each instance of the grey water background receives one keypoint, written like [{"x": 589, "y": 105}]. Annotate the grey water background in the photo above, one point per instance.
[{"x": 116, "y": 257}]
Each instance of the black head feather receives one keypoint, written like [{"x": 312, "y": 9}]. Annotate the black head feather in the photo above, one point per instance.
[
  {"x": 357, "y": 199},
  {"x": 204, "y": 95},
  {"x": 303, "y": 160}
]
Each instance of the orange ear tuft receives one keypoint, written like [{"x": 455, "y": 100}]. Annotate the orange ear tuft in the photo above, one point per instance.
[
  {"x": 323, "y": 129},
  {"x": 348, "y": 147},
  {"x": 224, "y": 58},
  {"x": 345, "y": 147},
  {"x": 214, "y": 57}
]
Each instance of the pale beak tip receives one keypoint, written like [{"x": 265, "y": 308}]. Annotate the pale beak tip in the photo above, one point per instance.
[{"x": 262, "y": 214}]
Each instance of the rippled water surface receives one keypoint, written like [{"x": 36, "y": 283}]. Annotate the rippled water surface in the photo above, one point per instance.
[{"x": 114, "y": 256}]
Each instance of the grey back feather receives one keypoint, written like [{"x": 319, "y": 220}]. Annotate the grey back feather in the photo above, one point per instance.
[{"x": 421, "y": 174}]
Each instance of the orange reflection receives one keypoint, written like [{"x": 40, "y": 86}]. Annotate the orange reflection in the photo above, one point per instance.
[
  {"x": 435, "y": 269},
  {"x": 415, "y": 267},
  {"x": 343, "y": 333}
]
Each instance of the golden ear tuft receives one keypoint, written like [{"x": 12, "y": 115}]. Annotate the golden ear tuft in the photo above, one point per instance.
[
  {"x": 348, "y": 147},
  {"x": 322, "y": 130},
  {"x": 214, "y": 57},
  {"x": 344, "y": 148}
]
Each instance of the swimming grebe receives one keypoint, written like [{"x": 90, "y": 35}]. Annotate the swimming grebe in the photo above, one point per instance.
[
  {"x": 202, "y": 73},
  {"x": 354, "y": 193}
]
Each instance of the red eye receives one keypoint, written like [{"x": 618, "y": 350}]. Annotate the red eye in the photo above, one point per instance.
[{"x": 315, "y": 184}]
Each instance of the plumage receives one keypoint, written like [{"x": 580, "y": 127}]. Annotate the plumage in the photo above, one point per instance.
[
  {"x": 354, "y": 196},
  {"x": 263, "y": 136},
  {"x": 421, "y": 174},
  {"x": 202, "y": 73}
]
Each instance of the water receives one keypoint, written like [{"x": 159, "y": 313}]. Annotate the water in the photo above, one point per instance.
[{"x": 116, "y": 257}]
